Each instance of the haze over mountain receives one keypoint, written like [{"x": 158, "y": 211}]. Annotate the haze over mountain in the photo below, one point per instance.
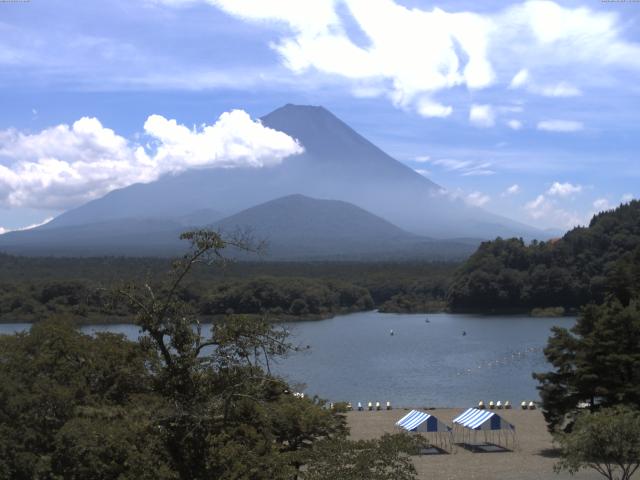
[
  {"x": 337, "y": 164},
  {"x": 299, "y": 227},
  {"x": 294, "y": 227}
]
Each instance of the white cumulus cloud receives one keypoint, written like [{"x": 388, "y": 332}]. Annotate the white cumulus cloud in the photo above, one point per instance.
[
  {"x": 627, "y": 197},
  {"x": 428, "y": 108},
  {"x": 564, "y": 189},
  {"x": 542, "y": 208},
  {"x": 482, "y": 115},
  {"x": 538, "y": 206},
  {"x": 520, "y": 79},
  {"x": 514, "y": 124},
  {"x": 235, "y": 140},
  {"x": 512, "y": 190},
  {"x": 561, "y": 89},
  {"x": 28, "y": 227},
  {"x": 601, "y": 204},
  {"x": 560, "y": 126},
  {"x": 66, "y": 165},
  {"x": 411, "y": 54},
  {"x": 477, "y": 199},
  {"x": 523, "y": 79}
]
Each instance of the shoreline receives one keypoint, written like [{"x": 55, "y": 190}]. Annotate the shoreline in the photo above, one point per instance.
[{"x": 95, "y": 319}]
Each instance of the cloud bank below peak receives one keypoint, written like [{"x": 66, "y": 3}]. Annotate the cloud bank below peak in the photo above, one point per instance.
[
  {"x": 472, "y": 50},
  {"x": 64, "y": 166}
]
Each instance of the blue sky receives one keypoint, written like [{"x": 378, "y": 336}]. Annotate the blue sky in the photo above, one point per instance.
[{"x": 529, "y": 109}]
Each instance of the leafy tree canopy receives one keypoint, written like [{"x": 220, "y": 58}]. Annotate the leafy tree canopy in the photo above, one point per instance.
[
  {"x": 597, "y": 362},
  {"x": 583, "y": 266},
  {"x": 607, "y": 441}
]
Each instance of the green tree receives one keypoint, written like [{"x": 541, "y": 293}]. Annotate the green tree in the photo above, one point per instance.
[
  {"x": 583, "y": 266},
  {"x": 387, "y": 458},
  {"x": 49, "y": 377},
  {"x": 607, "y": 441},
  {"x": 223, "y": 420},
  {"x": 112, "y": 443},
  {"x": 597, "y": 362}
]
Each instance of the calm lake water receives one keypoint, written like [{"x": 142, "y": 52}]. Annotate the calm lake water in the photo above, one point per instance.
[{"x": 354, "y": 358}]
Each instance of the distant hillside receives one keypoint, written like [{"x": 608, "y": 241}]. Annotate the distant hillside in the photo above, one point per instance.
[
  {"x": 119, "y": 237},
  {"x": 581, "y": 267},
  {"x": 299, "y": 227},
  {"x": 295, "y": 228}
]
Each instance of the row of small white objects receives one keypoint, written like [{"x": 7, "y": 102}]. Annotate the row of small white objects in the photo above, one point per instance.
[
  {"x": 370, "y": 406},
  {"x": 492, "y": 405},
  {"x": 298, "y": 394},
  {"x": 524, "y": 405}
]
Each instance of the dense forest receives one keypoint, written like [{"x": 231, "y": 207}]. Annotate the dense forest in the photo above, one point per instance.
[
  {"x": 32, "y": 289},
  {"x": 579, "y": 268}
]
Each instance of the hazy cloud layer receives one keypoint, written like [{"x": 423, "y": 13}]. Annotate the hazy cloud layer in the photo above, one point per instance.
[
  {"x": 560, "y": 126},
  {"x": 543, "y": 207},
  {"x": 482, "y": 115},
  {"x": 465, "y": 168},
  {"x": 66, "y": 165},
  {"x": 514, "y": 124},
  {"x": 512, "y": 190},
  {"x": 477, "y": 199},
  {"x": 601, "y": 204},
  {"x": 523, "y": 79}
]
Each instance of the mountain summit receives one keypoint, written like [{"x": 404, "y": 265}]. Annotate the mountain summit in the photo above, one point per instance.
[
  {"x": 355, "y": 170},
  {"x": 337, "y": 164},
  {"x": 328, "y": 140}
]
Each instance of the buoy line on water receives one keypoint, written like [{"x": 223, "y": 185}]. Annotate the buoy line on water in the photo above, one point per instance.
[{"x": 507, "y": 359}]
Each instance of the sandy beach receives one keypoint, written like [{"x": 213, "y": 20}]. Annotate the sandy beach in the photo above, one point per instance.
[{"x": 533, "y": 459}]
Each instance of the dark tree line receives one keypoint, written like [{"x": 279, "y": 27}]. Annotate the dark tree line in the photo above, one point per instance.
[
  {"x": 35, "y": 288},
  {"x": 285, "y": 296},
  {"x": 581, "y": 267}
]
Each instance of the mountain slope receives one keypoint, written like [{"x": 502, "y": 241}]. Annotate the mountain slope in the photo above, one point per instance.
[
  {"x": 297, "y": 215},
  {"x": 114, "y": 237},
  {"x": 295, "y": 227},
  {"x": 338, "y": 163}
]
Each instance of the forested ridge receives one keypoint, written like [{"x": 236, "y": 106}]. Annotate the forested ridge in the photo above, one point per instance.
[
  {"x": 32, "y": 289},
  {"x": 582, "y": 267}
]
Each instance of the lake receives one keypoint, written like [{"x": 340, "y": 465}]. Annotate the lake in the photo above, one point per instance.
[{"x": 354, "y": 358}]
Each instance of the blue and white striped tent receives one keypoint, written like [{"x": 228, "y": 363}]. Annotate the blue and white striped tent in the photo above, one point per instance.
[
  {"x": 425, "y": 423},
  {"x": 476, "y": 420},
  {"x": 417, "y": 421}
]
